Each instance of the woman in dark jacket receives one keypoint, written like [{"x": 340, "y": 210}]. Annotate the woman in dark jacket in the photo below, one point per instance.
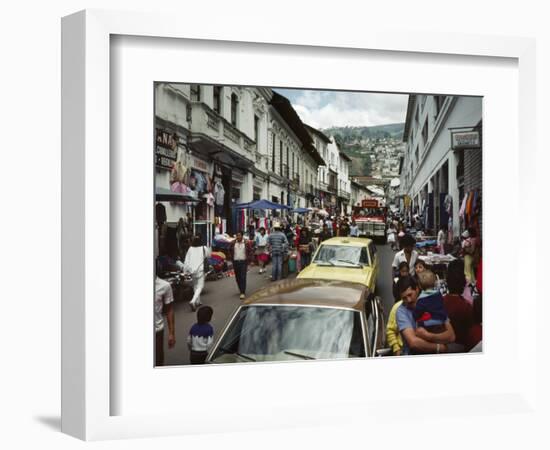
[{"x": 305, "y": 247}]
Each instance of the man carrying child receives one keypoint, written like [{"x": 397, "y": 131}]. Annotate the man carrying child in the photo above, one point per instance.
[{"x": 411, "y": 321}]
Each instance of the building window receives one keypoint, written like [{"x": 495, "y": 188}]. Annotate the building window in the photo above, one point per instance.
[
  {"x": 273, "y": 155},
  {"x": 287, "y": 163},
  {"x": 256, "y": 128},
  {"x": 281, "y": 158},
  {"x": 234, "y": 109},
  {"x": 217, "y": 99},
  {"x": 195, "y": 93},
  {"x": 293, "y": 165}
]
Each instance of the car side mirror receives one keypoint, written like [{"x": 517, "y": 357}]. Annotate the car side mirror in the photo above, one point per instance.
[{"x": 384, "y": 352}]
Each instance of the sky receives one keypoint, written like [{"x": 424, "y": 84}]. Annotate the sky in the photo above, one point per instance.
[{"x": 324, "y": 109}]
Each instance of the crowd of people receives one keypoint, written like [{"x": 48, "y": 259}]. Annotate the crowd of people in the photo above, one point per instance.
[
  {"x": 432, "y": 313},
  {"x": 256, "y": 245},
  {"x": 435, "y": 313}
]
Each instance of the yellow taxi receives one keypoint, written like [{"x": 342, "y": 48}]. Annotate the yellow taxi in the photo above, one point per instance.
[{"x": 346, "y": 259}]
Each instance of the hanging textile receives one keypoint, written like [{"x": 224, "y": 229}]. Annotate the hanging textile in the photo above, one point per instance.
[{"x": 462, "y": 210}]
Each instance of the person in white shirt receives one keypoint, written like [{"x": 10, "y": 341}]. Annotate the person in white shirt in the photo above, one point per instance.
[
  {"x": 328, "y": 223},
  {"x": 408, "y": 254},
  {"x": 194, "y": 265},
  {"x": 239, "y": 256},
  {"x": 261, "y": 248},
  {"x": 164, "y": 301}
]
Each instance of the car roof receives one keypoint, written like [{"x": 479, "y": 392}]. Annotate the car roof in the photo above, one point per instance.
[
  {"x": 311, "y": 292},
  {"x": 349, "y": 241}
]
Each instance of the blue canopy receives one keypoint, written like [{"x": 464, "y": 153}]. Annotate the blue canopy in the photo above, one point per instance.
[
  {"x": 260, "y": 204},
  {"x": 301, "y": 210}
]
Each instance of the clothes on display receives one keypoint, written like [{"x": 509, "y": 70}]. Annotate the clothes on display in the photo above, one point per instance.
[
  {"x": 199, "y": 181},
  {"x": 448, "y": 202},
  {"x": 210, "y": 200}
]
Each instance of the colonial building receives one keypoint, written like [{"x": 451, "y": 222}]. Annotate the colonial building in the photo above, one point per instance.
[
  {"x": 210, "y": 144},
  {"x": 316, "y": 192},
  {"x": 217, "y": 146},
  {"x": 294, "y": 160},
  {"x": 344, "y": 183},
  {"x": 442, "y": 165}
]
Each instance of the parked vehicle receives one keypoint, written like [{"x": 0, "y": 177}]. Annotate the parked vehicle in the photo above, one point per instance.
[
  {"x": 345, "y": 259},
  {"x": 303, "y": 319}
]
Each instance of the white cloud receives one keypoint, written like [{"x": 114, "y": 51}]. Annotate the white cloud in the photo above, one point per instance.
[{"x": 323, "y": 109}]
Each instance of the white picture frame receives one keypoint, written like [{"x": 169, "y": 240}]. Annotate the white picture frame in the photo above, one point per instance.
[{"x": 87, "y": 383}]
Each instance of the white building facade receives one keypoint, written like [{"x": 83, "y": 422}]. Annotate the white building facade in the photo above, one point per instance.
[
  {"x": 435, "y": 177},
  {"x": 218, "y": 146},
  {"x": 344, "y": 184}
]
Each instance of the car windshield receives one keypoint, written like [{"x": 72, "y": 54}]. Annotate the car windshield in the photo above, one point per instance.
[
  {"x": 284, "y": 333},
  {"x": 342, "y": 255}
]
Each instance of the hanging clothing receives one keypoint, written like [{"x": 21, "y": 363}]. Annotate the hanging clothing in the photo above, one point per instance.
[
  {"x": 200, "y": 181},
  {"x": 448, "y": 202},
  {"x": 210, "y": 200},
  {"x": 219, "y": 193},
  {"x": 462, "y": 210}
]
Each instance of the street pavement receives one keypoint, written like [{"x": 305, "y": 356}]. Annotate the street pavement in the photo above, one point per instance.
[{"x": 223, "y": 296}]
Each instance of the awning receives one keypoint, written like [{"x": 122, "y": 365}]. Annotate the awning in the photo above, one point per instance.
[
  {"x": 260, "y": 204},
  {"x": 166, "y": 195},
  {"x": 301, "y": 210}
]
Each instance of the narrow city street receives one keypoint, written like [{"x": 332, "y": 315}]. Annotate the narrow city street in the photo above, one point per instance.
[{"x": 223, "y": 296}]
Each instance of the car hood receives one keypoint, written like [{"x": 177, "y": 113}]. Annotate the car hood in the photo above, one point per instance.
[{"x": 351, "y": 274}]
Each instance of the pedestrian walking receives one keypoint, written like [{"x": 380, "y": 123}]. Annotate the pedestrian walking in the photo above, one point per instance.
[
  {"x": 325, "y": 233},
  {"x": 328, "y": 223},
  {"x": 392, "y": 233},
  {"x": 305, "y": 247},
  {"x": 261, "y": 249},
  {"x": 408, "y": 254},
  {"x": 164, "y": 308},
  {"x": 344, "y": 230},
  {"x": 194, "y": 264},
  {"x": 353, "y": 229},
  {"x": 278, "y": 245},
  {"x": 240, "y": 257},
  {"x": 201, "y": 336}
]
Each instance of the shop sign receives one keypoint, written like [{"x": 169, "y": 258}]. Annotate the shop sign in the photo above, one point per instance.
[
  {"x": 166, "y": 148},
  {"x": 461, "y": 140},
  {"x": 199, "y": 164},
  {"x": 369, "y": 203}
]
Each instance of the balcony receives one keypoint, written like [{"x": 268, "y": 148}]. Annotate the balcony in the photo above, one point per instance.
[
  {"x": 344, "y": 194},
  {"x": 215, "y": 136},
  {"x": 295, "y": 180},
  {"x": 311, "y": 189}
]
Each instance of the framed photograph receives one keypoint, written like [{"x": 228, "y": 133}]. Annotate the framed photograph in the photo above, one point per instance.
[{"x": 233, "y": 204}]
